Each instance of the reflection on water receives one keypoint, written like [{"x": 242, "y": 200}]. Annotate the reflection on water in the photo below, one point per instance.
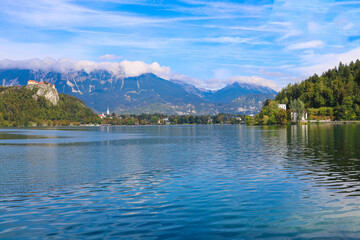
[{"x": 196, "y": 182}]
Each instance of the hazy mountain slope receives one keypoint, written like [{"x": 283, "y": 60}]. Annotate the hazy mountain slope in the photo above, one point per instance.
[{"x": 235, "y": 90}]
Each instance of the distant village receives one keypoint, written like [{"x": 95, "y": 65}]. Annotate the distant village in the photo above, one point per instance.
[{"x": 161, "y": 119}]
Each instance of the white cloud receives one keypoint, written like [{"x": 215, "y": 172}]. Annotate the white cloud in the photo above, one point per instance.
[
  {"x": 227, "y": 39},
  {"x": 217, "y": 83},
  {"x": 214, "y": 8},
  {"x": 109, "y": 57},
  {"x": 319, "y": 63},
  {"x": 291, "y": 33},
  {"x": 306, "y": 45},
  {"x": 132, "y": 69},
  {"x": 223, "y": 77},
  {"x": 136, "y": 68},
  {"x": 255, "y": 80},
  {"x": 349, "y": 26},
  {"x": 122, "y": 69},
  {"x": 66, "y": 15}
]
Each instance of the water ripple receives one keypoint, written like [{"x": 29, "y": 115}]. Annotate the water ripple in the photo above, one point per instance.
[{"x": 182, "y": 182}]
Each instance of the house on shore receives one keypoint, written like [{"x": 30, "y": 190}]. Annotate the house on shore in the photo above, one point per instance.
[
  {"x": 303, "y": 117},
  {"x": 282, "y": 106},
  {"x": 294, "y": 114},
  {"x": 166, "y": 121}
]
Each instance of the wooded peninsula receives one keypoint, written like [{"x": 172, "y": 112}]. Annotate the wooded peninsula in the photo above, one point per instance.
[{"x": 335, "y": 95}]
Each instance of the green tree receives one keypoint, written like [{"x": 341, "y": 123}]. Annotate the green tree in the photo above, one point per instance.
[
  {"x": 281, "y": 117},
  {"x": 268, "y": 113},
  {"x": 154, "y": 120},
  {"x": 249, "y": 120}
]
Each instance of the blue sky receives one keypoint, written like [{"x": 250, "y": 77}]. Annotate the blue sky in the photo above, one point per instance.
[{"x": 207, "y": 43}]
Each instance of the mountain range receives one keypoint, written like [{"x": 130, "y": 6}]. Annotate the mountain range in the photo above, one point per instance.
[{"x": 146, "y": 93}]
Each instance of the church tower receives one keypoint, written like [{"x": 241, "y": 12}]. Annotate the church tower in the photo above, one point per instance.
[{"x": 108, "y": 111}]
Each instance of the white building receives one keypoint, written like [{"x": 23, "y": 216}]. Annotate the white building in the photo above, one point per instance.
[
  {"x": 166, "y": 121},
  {"x": 32, "y": 82},
  {"x": 282, "y": 106},
  {"x": 303, "y": 117}
]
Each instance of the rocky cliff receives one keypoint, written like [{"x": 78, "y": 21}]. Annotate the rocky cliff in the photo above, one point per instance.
[{"x": 47, "y": 91}]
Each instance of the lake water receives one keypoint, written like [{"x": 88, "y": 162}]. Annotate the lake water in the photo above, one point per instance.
[{"x": 180, "y": 182}]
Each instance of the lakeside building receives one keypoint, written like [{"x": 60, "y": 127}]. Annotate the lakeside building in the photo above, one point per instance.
[
  {"x": 33, "y": 82},
  {"x": 166, "y": 121},
  {"x": 294, "y": 114},
  {"x": 282, "y": 106},
  {"x": 102, "y": 115},
  {"x": 303, "y": 117}
]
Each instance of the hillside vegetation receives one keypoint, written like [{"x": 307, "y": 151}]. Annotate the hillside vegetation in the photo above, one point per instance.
[
  {"x": 19, "y": 108},
  {"x": 336, "y": 93}
]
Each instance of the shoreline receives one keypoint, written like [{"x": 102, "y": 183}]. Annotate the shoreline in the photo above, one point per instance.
[
  {"x": 309, "y": 122},
  {"x": 331, "y": 122}
]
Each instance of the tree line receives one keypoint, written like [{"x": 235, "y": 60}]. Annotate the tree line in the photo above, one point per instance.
[{"x": 162, "y": 119}]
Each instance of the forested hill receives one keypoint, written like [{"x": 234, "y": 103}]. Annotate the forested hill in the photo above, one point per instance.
[
  {"x": 18, "y": 107},
  {"x": 338, "y": 88}
]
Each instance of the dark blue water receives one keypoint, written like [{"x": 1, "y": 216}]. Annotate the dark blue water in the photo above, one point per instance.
[{"x": 180, "y": 182}]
